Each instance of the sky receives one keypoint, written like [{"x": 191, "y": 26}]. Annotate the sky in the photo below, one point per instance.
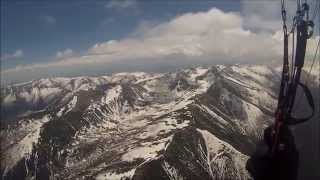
[{"x": 41, "y": 39}]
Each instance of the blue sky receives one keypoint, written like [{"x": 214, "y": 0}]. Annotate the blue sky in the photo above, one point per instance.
[
  {"x": 41, "y": 29},
  {"x": 38, "y": 35}
]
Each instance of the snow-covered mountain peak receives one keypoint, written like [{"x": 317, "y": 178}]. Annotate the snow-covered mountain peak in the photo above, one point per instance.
[{"x": 128, "y": 124}]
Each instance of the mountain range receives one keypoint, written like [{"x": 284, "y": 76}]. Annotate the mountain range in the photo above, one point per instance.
[{"x": 196, "y": 123}]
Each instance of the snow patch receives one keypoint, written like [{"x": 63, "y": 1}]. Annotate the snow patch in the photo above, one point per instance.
[
  {"x": 23, "y": 147},
  {"x": 198, "y": 72},
  {"x": 72, "y": 104},
  {"x": 116, "y": 176},
  {"x": 9, "y": 99},
  {"x": 217, "y": 148},
  {"x": 112, "y": 94},
  {"x": 143, "y": 152}
]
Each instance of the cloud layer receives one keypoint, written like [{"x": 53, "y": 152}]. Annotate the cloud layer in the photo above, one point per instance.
[
  {"x": 64, "y": 54},
  {"x": 211, "y": 37}
]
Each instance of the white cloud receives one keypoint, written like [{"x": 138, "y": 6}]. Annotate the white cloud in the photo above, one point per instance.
[
  {"x": 64, "y": 54},
  {"x": 266, "y": 15},
  {"x": 204, "y": 34},
  {"x": 211, "y": 37},
  {"x": 17, "y": 54}
]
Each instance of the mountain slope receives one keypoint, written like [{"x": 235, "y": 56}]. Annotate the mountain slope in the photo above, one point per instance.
[{"x": 198, "y": 122}]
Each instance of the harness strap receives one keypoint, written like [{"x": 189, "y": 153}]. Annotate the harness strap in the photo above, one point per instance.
[{"x": 290, "y": 120}]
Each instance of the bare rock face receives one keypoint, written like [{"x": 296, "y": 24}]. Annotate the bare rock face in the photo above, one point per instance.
[
  {"x": 198, "y": 123},
  {"x": 195, "y": 154}
]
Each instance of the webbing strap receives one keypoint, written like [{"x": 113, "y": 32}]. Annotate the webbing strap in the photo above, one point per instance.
[
  {"x": 290, "y": 120},
  {"x": 289, "y": 84}
]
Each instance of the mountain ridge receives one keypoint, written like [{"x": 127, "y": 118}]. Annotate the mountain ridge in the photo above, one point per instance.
[{"x": 125, "y": 125}]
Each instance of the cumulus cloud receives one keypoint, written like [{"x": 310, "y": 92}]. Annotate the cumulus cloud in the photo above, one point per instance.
[
  {"x": 266, "y": 15},
  {"x": 17, "y": 54},
  {"x": 204, "y": 35},
  {"x": 211, "y": 37},
  {"x": 64, "y": 54}
]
